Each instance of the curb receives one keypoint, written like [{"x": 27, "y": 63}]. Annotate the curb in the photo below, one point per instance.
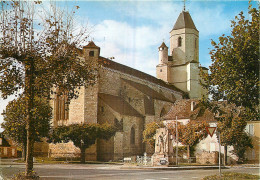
[{"x": 174, "y": 168}]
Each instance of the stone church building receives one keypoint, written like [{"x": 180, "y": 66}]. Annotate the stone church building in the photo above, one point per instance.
[{"x": 131, "y": 99}]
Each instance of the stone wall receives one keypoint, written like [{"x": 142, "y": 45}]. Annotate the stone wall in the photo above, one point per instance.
[{"x": 207, "y": 158}]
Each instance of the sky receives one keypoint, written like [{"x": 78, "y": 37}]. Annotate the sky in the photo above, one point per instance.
[{"x": 131, "y": 31}]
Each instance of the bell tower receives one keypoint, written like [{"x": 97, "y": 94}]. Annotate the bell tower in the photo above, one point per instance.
[
  {"x": 162, "y": 69},
  {"x": 184, "y": 40},
  {"x": 181, "y": 68}
]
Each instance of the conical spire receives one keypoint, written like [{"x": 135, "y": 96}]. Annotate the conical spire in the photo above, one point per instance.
[
  {"x": 184, "y": 21},
  {"x": 163, "y": 45}
]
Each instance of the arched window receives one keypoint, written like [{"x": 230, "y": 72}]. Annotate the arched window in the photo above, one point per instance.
[
  {"x": 179, "y": 41},
  {"x": 62, "y": 107},
  {"x": 132, "y": 136},
  {"x": 195, "y": 43},
  {"x": 91, "y": 53}
]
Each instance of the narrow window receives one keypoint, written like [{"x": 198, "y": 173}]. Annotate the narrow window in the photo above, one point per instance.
[
  {"x": 91, "y": 53},
  {"x": 195, "y": 43},
  {"x": 132, "y": 136},
  {"x": 160, "y": 70},
  {"x": 163, "y": 112},
  {"x": 179, "y": 42},
  {"x": 62, "y": 107}
]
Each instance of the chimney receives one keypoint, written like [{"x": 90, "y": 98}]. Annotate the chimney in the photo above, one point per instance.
[{"x": 192, "y": 105}]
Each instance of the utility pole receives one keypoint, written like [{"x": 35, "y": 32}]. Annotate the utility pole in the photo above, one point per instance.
[
  {"x": 176, "y": 126},
  {"x": 219, "y": 158}
]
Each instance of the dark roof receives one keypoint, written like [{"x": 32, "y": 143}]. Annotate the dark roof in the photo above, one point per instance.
[
  {"x": 5, "y": 143},
  {"x": 147, "y": 90},
  {"x": 128, "y": 70},
  {"x": 204, "y": 68},
  {"x": 163, "y": 45},
  {"x": 184, "y": 21},
  {"x": 119, "y": 105},
  {"x": 91, "y": 44}
]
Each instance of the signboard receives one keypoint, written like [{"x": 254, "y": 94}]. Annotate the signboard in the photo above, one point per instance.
[
  {"x": 211, "y": 130},
  {"x": 163, "y": 161}
]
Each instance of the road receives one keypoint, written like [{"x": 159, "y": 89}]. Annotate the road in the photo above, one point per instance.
[{"x": 111, "y": 172}]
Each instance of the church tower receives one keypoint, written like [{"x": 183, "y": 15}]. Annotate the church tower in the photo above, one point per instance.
[
  {"x": 184, "y": 44},
  {"x": 181, "y": 68},
  {"x": 162, "y": 69}
]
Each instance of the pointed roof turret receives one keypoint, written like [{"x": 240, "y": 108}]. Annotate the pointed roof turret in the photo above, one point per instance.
[
  {"x": 91, "y": 44},
  {"x": 184, "y": 21},
  {"x": 162, "y": 45}
]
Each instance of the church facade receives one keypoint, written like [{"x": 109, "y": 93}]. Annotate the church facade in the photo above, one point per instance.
[{"x": 130, "y": 99}]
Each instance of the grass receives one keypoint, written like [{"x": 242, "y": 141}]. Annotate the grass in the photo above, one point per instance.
[{"x": 232, "y": 176}]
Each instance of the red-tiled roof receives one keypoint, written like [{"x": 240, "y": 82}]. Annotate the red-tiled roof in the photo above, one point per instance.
[
  {"x": 182, "y": 109},
  {"x": 91, "y": 44}
]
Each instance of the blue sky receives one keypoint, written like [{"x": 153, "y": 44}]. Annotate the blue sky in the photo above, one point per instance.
[{"x": 131, "y": 31}]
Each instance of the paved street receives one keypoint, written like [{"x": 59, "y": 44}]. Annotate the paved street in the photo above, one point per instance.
[{"x": 105, "y": 171}]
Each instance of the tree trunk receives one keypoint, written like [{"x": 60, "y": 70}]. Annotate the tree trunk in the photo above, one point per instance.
[
  {"x": 24, "y": 151},
  {"x": 29, "y": 94},
  {"x": 225, "y": 155},
  {"x": 188, "y": 153},
  {"x": 82, "y": 154}
]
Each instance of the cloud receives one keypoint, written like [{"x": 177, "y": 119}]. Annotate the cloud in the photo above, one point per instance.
[
  {"x": 134, "y": 46},
  {"x": 210, "y": 21}
]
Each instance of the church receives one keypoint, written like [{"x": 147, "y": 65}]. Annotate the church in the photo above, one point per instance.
[{"x": 131, "y": 99}]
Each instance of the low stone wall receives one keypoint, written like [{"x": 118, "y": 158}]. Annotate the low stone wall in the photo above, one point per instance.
[
  {"x": 207, "y": 158},
  {"x": 61, "y": 150}
]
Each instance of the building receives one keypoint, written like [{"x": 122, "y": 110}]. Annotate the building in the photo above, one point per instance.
[
  {"x": 131, "y": 98},
  {"x": 7, "y": 148},
  {"x": 252, "y": 155},
  {"x": 181, "y": 67}
]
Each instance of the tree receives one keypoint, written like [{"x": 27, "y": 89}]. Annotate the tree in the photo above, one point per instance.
[
  {"x": 189, "y": 134},
  {"x": 82, "y": 135},
  {"x": 231, "y": 123},
  {"x": 39, "y": 54},
  {"x": 235, "y": 65},
  {"x": 150, "y": 132},
  {"x": 231, "y": 127},
  {"x": 234, "y": 78},
  {"x": 15, "y": 120}
]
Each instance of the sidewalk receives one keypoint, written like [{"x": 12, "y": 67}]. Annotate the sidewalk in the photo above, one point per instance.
[
  {"x": 171, "y": 168},
  {"x": 129, "y": 166}
]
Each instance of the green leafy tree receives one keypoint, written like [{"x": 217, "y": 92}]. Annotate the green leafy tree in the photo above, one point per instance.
[
  {"x": 235, "y": 65},
  {"x": 231, "y": 127},
  {"x": 190, "y": 134},
  {"x": 234, "y": 77},
  {"x": 40, "y": 53},
  {"x": 231, "y": 123},
  {"x": 82, "y": 135},
  {"x": 15, "y": 120}
]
